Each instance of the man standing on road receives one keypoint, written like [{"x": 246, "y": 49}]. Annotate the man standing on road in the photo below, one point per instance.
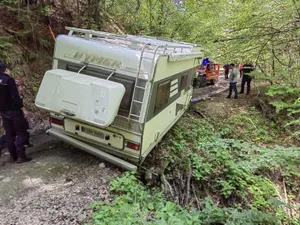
[
  {"x": 246, "y": 71},
  {"x": 226, "y": 70},
  {"x": 14, "y": 122},
  {"x": 233, "y": 77},
  {"x": 240, "y": 69}
]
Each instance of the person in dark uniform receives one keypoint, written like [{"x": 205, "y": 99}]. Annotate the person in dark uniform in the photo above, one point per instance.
[
  {"x": 20, "y": 88},
  {"x": 3, "y": 136},
  {"x": 240, "y": 69},
  {"x": 2, "y": 143},
  {"x": 246, "y": 71},
  {"x": 226, "y": 68},
  {"x": 14, "y": 122}
]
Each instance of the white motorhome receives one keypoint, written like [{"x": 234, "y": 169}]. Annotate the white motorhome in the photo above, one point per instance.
[{"x": 116, "y": 96}]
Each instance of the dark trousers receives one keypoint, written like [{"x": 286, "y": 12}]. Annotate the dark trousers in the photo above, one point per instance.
[
  {"x": 2, "y": 140},
  {"x": 3, "y": 137},
  {"x": 226, "y": 74},
  {"x": 246, "y": 79},
  {"x": 15, "y": 126},
  {"x": 232, "y": 86}
]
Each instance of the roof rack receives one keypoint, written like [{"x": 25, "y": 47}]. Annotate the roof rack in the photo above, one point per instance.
[
  {"x": 169, "y": 40},
  {"x": 88, "y": 34}
]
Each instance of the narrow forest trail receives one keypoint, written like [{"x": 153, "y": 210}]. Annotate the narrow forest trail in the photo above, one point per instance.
[{"x": 59, "y": 184}]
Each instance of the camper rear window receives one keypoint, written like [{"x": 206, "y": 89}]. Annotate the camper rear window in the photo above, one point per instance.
[{"x": 163, "y": 93}]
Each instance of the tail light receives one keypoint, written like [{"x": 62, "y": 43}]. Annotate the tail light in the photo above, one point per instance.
[
  {"x": 56, "y": 121},
  {"x": 132, "y": 145}
]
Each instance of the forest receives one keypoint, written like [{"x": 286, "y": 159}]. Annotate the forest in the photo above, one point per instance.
[{"x": 235, "y": 163}]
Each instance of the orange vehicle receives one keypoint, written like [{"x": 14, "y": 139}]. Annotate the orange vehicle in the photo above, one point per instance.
[{"x": 208, "y": 73}]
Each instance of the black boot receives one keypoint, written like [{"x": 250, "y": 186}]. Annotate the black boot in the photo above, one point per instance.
[
  {"x": 13, "y": 159},
  {"x": 28, "y": 145},
  {"x": 24, "y": 159}
]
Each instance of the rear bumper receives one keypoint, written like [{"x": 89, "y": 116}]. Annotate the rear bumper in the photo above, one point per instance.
[{"x": 92, "y": 150}]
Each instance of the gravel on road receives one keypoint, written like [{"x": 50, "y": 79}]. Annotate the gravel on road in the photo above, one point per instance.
[{"x": 56, "y": 187}]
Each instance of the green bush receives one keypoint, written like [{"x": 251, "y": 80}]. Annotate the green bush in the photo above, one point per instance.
[
  {"x": 286, "y": 100},
  {"x": 251, "y": 127},
  {"x": 236, "y": 172},
  {"x": 134, "y": 204},
  {"x": 4, "y": 56},
  {"x": 235, "y": 180}
]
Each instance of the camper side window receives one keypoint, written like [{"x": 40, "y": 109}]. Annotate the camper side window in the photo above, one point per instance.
[
  {"x": 183, "y": 82},
  {"x": 163, "y": 93}
]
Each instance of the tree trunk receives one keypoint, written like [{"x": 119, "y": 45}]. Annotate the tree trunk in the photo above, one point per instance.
[
  {"x": 97, "y": 14},
  {"x": 150, "y": 15}
]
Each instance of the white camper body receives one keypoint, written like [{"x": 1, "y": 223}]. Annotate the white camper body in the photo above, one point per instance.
[{"x": 116, "y": 96}]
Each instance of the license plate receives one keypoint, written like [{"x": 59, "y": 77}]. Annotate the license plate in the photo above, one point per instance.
[
  {"x": 96, "y": 134},
  {"x": 92, "y": 132}
]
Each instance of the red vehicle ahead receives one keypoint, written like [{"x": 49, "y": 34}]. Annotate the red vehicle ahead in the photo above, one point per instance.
[{"x": 208, "y": 73}]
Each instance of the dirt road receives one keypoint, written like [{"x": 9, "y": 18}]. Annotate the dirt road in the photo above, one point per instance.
[
  {"x": 59, "y": 184},
  {"x": 203, "y": 93},
  {"x": 56, "y": 187}
]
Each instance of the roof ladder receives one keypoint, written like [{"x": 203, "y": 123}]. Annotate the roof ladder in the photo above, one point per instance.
[{"x": 139, "y": 87}]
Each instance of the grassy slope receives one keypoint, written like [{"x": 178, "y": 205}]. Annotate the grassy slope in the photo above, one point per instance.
[{"x": 227, "y": 165}]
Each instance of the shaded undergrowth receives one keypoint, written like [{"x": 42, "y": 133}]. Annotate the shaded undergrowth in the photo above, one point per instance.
[{"x": 232, "y": 173}]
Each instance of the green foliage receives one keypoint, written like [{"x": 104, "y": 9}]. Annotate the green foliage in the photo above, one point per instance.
[
  {"x": 47, "y": 11},
  {"x": 8, "y": 1},
  {"x": 135, "y": 204},
  {"x": 288, "y": 101},
  {"x": 235, "y": 172},
  {"x": 221, "y": 168},
  {"x": 212, "y": 214},
  {"x": 250, "y": 126},
  {"x": 239, "y": 175},
  {"x": 286, "y": 98},
  {"x": 35, "y": 82},
  {"x": 4, "y": 54}
]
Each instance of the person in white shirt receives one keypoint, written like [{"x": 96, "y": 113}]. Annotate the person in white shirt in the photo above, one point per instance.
[{"x": 233, "y": 78}]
